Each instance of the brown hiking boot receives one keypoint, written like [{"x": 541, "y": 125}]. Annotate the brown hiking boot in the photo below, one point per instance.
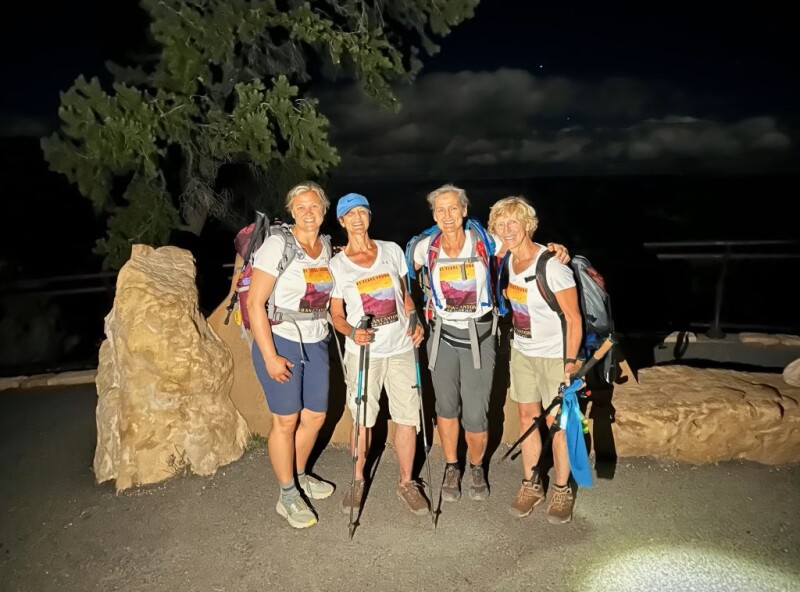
[
  {"x": 478, "y": 489},
  {"x": 560, "y": 510},
  {"x": 528, "y": 497},
  {"x": 451, "y": 486},
  {"x": 353, "y": 497},
  {"x": 413, "y": 498}
]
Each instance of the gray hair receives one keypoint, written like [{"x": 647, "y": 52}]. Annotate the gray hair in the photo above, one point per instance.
[
  {"x": 305, "y": 187},
  {"x": 448, "y": 188}
]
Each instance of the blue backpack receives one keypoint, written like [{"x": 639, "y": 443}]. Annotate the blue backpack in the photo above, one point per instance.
[{"x": 483, "y": 247}]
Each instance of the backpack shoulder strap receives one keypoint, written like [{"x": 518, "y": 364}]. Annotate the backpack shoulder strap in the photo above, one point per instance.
[
  {"x": 289, "y": 245},
  {"x": 411, "y": 246},
  {"x": 326, "y": 245},
  {"x": 541, "y": 281}
]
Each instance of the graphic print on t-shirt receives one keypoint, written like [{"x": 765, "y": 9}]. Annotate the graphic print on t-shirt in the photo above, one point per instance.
[
  {"x": 378, "y": 298},
  {"x": 319, "y": 284},
  {"x": 459, "y": 288},
  {"x": 518, "y": 296}
]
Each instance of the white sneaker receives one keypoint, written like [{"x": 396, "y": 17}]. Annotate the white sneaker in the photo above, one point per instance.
[
  {"x": 315, "y": 488},
  {"x": 296, "y": 512}
]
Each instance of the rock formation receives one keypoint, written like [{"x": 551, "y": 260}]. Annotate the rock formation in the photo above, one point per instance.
[
  {"x": 707, "y": 415},
  {"x": 163, "y": 378}
]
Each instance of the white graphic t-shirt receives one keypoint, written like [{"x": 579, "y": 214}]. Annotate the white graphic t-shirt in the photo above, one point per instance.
[
  {"x": 304, "y": 286},
  {"x": 460, "y": 288},
  {"x": 375, "y": 291},
  {"x": 537, "y": 328}
]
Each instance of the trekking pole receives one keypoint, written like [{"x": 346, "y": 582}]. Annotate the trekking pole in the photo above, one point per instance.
[
  {"x": 418, "y": 386},
  {"x": 596, "y": 357},
  {"x": 362, "y": 361}
]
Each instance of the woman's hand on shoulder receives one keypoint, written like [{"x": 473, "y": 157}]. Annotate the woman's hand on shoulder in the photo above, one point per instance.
[{"x": 562, "y": 253}]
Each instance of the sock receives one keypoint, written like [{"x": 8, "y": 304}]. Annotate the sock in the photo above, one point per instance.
[
  {"x": 301, "y": 474},
  {"x": 453, "y": 464},
  {"x": 288, "y": 491},
  {"x": 561, "y": 486},
  {"x": 471, "y": 466}
]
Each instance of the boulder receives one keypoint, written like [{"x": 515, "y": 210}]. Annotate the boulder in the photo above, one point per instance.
[
  {"x": 163, "y": 378},
  {"x": 707, "y": 415}
]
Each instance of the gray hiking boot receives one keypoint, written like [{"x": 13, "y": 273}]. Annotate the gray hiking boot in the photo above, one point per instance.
[
  {"x": 296, "y": 512},
  {"x": 451, "y": 486},
  {"x": 560, "y": 510},
  {"x": 528, "y": 497},
  {"x": 413, "y": 498},
  {"x": 353, "y": 497},
  {"x": 315, "y": 488},
  {"x": 478, "y": 489}
]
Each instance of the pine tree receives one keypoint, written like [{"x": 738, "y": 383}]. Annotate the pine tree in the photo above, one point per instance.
[{"x": 225, "y": 85}]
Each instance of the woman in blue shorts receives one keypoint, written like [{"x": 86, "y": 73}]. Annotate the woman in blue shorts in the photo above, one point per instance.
[{"x": 288, "y": 319}]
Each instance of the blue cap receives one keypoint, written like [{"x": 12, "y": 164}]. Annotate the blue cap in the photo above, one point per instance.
[{"x": 350, "y": 201}]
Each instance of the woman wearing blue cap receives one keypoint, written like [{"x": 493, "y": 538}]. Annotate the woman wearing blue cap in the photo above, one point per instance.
[
  {"x": 368, "y": 281},
  {"x": 288, "y": 308}
]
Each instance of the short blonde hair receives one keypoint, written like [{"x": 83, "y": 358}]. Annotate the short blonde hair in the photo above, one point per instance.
[
  {"x": 517, "y": 207},
  {"x": 448, "y": 188},
  {"x": 305, "y": 187}
]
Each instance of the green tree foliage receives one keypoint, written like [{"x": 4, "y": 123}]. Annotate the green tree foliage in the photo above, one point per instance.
[{"x": 225, "y": 85}]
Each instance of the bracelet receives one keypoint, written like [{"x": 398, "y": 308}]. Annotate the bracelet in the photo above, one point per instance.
[
  {"x": 570, "y": 361},
  {"x": 353, "y": 332}
]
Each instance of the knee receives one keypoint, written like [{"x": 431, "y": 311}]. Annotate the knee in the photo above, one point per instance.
[
  {"x": 284, "y": 424},
  {"x": 312, "y": 420},
  {"x": 475, "y": 420}
]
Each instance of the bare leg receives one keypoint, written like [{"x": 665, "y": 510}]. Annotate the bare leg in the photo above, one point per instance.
[
  {"x": 531, "y": 446},
  {"x": 310, "y": 424},
  {"x": 405, "y": 445},
  {"x": 364, "y": 441},
  {"x": 448, "y": 434},
  {"x": 281, "y": 446},
  {"x": 476, "y": 446},
  {"x": 561, "y": 458}
]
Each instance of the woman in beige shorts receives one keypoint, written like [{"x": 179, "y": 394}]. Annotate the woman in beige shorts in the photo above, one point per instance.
[
  {"x": 368, "y": 281},
  {"x": 538, "y": 362}
]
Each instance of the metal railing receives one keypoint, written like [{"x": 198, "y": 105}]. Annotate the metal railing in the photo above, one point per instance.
[{"x": 724, "y": 252}]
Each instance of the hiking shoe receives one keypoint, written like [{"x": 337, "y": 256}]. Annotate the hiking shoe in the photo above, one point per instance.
[
  {"x": 315, "y": 488},
  {"x": 353, "y": 497},
  {"x": 560, "y": 510},
  {"x": 413, "y": 498},
  {"x": 528, "y": 497},
  {"x": 296, "y": 512},
  {"x": 478, "y": 489},
  {"x": 451, "y": 486}
]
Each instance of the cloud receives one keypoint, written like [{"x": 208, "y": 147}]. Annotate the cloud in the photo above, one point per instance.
[
  {"x": 511, "y": 123},
  {"x": 23, "y": 126}
]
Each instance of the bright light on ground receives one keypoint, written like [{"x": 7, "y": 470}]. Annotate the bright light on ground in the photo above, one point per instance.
[{"x": 687, "y": 569}]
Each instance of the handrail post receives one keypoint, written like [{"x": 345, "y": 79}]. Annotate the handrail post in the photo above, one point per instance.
[{"x": 715, "y": 332}]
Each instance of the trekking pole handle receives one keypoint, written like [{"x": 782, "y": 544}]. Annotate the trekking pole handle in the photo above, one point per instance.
[{"x": 596, "y": 357}]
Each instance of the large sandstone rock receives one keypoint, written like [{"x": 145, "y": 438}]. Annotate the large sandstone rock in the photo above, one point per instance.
[
  {"x": 791, "y": 374},
  {"x": 163, "y": 378},
  {"x": 707, "y": 415}
]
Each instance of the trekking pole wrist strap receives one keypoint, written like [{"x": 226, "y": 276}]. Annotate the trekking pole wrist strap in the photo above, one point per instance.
[
  {"x": 353, "y": 332},
  {"x": 571, "y": 361}
]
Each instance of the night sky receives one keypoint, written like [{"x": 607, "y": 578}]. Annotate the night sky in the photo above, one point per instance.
[{"x": 524, "y": 88}]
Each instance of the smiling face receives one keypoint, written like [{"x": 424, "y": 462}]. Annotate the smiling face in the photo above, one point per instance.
[
  {"x": 511, "y": 230},
  {"x": 308, "y": 211},
  {"x": 448, "y": 212},
  {"x": 356, "y": 221}
]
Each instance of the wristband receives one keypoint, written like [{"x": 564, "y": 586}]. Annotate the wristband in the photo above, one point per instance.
[{"x": 570, "y": 361}]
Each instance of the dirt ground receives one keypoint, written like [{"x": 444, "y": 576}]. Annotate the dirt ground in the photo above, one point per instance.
[{"x": 648, "y": 525}]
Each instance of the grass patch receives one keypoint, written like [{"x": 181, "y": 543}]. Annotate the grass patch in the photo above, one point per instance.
[{"x": 255, "y": 442}]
